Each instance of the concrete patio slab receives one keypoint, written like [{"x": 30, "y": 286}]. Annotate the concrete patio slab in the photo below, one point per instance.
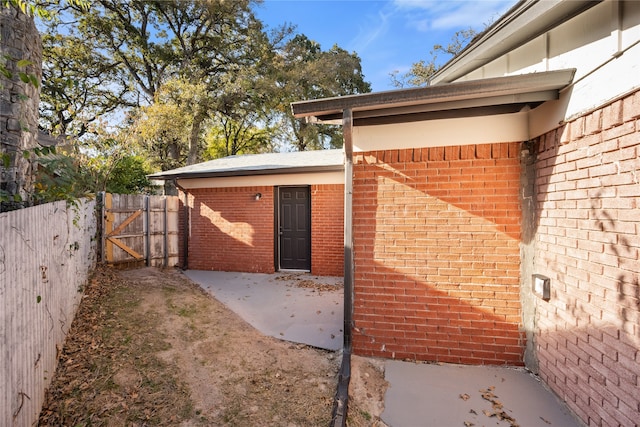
[
  {"x": 451, "y": 395},
  {"x": 308, "y": 309},
  {"x": 296, "y": 307}
]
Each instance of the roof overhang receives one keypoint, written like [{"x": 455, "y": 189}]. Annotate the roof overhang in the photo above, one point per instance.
[
  {"x": 246, "y": 172},
  {"x": 498, "y": 95},
  {"x": 524, "y": 22}
]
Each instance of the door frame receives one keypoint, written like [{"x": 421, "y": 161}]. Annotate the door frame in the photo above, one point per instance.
[{"x": 276, "y": 243}]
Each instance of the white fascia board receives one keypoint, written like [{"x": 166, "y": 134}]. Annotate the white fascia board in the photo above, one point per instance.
[{"x": 318, "y": 178}]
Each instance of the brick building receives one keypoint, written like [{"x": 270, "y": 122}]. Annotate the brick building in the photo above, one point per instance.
[
  {"x": 489, "y": 218},
  {"x": 493, "y": 217},
  {"x": 263, "y": 213}
]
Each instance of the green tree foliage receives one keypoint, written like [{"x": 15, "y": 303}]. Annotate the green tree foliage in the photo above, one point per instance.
[
  {"x": 68, "y": 177},
  {"x": 162, "y": 128},
  {"x": 304, "y": 71},
  {"x": 230, "y": 137},
  {"x": 179, "y": 81},
  {"x": 80, "y": 85},
  {"x": 175, "y": 82},
  {"x": 421, "y": 71},
  {"x": 244, "y": 118},
  {"x": 62, "y": 177},
  {"x": 101, "y": 163},
  {"x": 46, "y": 10},
  {"x": 28, "y": 8},
  {"x": 239, "y": 80},
  {"x": 129, "y": 176},
  {"x": 143, "y": 46}
]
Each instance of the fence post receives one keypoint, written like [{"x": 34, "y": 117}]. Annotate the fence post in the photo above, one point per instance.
[
  {"x": 147, "y": 231},
  {"x": 108, "y": 219},
  {"x": 165, "y": 262},
  {"x": 99, "y": 212}
]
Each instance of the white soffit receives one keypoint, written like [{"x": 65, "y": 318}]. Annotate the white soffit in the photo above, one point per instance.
[{"x": 484, "y": 97}]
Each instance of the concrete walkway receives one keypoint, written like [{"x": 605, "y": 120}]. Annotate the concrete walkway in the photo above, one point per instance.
[
  {"x": 452, "y": 395},
  {"x": 309, "y": 309},
  {"x": 296, "y": 307}
]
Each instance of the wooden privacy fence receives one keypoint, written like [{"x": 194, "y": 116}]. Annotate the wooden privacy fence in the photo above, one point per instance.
[
  {"x": 46, "y": 255},
  {"x": 140, "y": 229}
]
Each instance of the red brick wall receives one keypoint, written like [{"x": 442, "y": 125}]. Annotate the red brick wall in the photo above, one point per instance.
[
  {"x": 436, "y": 248},
  {"x": 230, "y": 230},
  {"x": 327, "y": 230},
  {"x": 588, "y": 239}
]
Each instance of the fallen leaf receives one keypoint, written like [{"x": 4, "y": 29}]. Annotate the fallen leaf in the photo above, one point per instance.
[{"x": 464, "y": 396}]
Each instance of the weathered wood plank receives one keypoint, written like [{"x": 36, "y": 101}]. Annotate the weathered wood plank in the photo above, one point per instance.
[
  {"x": 124, "y": 223},
  {"x": 152, "y": 234},
  {"x": 125, "y": 248},
  {"x": 46, "y": 253}
]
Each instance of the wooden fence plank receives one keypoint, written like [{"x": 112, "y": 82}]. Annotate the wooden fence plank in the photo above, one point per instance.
[
  {"x": 46, "y": 254},
  {"x": 108, "y": 228},
  {"x": 143, "y": 227},
  {"x": 124, "y": 223},
  {"x": 125, "y": 248}
]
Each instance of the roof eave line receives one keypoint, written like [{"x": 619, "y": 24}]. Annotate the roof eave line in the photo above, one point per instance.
[{"x": 250, "y": 172}]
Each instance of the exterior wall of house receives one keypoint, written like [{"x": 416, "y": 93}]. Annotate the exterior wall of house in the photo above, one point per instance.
[
  {"x": 327, "y": 230},
  {"x": 587, "y": 242},
  {"x": 436, "y": 249},
  {"x": 599, "y": 43},
  {"x": 275, "y": 179},
  {"x": 231, "y": 231},
  {"x": 444, "y": 132}
]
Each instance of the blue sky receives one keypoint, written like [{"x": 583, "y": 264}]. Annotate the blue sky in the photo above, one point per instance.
[{"x": 388, "y": 35}]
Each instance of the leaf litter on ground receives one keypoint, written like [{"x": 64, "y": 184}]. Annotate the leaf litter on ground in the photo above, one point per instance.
[{"x": 149, "y": 347}]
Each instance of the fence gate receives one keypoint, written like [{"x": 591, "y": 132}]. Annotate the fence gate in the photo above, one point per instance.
[{"x": 140, "y": 229}]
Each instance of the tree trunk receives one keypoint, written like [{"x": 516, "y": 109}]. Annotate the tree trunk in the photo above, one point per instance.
[
  {"x": 194, "y": 139},
  {"x": 300, "y": 142},
  {"x": 173, "y": 156}
]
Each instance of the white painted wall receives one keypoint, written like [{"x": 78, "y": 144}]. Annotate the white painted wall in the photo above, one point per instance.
[
  {"x": 264, "y": 180},
  {"x": 601, "y": 43},
  {"x": 444, "y": 132}
]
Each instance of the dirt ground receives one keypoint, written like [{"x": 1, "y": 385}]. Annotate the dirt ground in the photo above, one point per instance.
[{"x": 149, "y": 348}]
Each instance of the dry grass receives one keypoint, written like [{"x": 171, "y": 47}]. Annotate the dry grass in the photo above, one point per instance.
[{"x": 148, "y": 347}]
